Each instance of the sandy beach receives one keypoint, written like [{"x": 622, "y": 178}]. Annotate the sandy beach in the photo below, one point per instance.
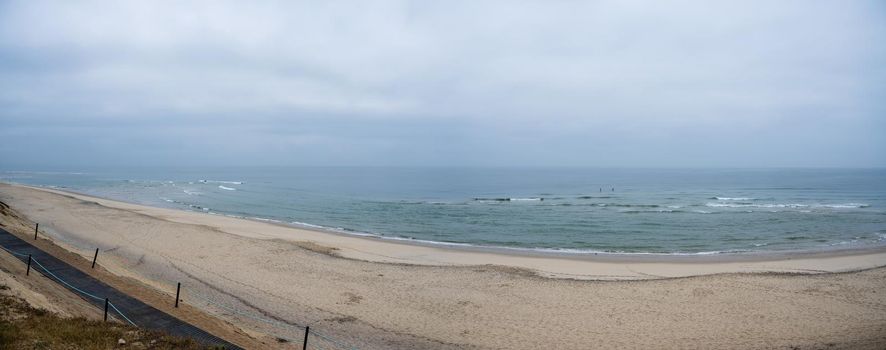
[{"x": 375, "y": 293}]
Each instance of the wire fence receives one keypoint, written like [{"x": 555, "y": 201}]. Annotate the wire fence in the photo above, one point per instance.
[
  {"x": 69, "y": 285},
  {"x": 302, "y": 336},
  {"x": 292, "y": 333}
]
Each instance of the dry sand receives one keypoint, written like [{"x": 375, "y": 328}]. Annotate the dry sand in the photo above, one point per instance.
[{"x": 374, "y": 293}]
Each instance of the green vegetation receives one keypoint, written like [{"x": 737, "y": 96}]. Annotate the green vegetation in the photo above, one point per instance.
[{"x": 25, "y": 327}]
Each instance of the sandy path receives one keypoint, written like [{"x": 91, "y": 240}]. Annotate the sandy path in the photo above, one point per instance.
[{"x": 377, "y": 305}]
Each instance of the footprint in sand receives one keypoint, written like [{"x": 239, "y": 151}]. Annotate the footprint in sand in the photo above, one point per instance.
[{"x": 352, "y": 299}]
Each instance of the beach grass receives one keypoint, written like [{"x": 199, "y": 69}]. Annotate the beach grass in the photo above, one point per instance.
[{"x": 26, "y": 327}]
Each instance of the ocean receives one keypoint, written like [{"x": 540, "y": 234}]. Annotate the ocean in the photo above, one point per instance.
[{"x": 669, "y": 211}]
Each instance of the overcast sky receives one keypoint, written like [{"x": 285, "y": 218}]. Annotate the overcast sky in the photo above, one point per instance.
[{"x": 428, "y": 83}]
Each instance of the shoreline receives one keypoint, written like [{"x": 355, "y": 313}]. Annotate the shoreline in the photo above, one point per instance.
[
  {"x": 574, "y": 254},
  {"x": 261, "y": 278},
  {"x": 564, "y": 253},
  {"x": 546, "y": 263}
]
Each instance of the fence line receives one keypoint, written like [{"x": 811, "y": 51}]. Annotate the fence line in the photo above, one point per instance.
[
  {"x": 121, "y": 314},
  {"x": 271, "y": 322},
  {"x": 66, "y": 283},
  {"x": 209, "y": 301},
  {"x": 70, "y": 285},
  {"x": 14, "y": 253}
]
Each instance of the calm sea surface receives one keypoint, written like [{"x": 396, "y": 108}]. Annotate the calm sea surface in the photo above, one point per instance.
[{"x": 600, "y": 210}]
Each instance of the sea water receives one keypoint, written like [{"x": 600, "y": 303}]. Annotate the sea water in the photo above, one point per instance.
[{"x": 673, "y": 211}]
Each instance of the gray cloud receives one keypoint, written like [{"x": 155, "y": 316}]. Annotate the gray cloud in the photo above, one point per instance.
[{"x": 682, "y": 83}]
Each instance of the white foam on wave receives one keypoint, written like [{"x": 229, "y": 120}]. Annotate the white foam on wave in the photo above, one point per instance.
[
  {"x": 227, "y": 188},
  {"x": 191, "y": 192},
  {"x": 734, "y": 198},
  {"x": 341, "y": 230},
  {"x": 844, "y": 205},
  {"x": 194, "y": 206},
  {"x": 305, "y": 224},
  {"x": 506, "y": 199},
  {"x": 266, "y": 219},
  {"x": 788, "y": 205},
  {"x": 634, "y": 211},
  {"x": 601, "y": 252},
  {"x": 745, "y": 205},
  {"x": 221, "y": 182}
]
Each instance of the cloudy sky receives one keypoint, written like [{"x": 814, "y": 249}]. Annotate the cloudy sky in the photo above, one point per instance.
[{"x": 438, "y": 83}]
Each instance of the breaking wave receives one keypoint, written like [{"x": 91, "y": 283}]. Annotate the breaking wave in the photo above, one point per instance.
[
  {"x": 220, "y": 182},
  {"x": 507, "y": 199},
  {"x": 788, "y": 205}
]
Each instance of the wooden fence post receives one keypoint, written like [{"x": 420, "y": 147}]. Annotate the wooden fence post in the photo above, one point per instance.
[
  {"x": 305, "y": 345},
  {"x": 94, "y": 258},
  {"x": 28, "y": 272},
  {"x": 178, "y": 290},
  {"x": 106, "y": 309}
]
